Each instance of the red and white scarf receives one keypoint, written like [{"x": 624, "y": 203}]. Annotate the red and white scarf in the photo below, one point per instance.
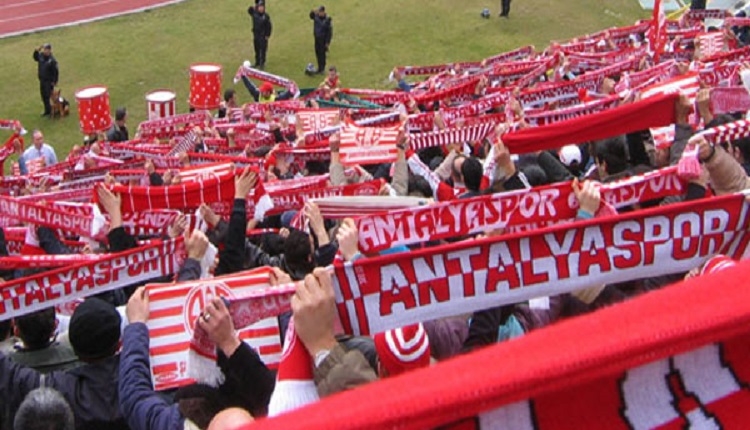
[
  {"x": 181, "y": 352},
  {"x": 48, "y": 216},
  {"x": 521, "y": 210},
  {"x": 368, "y": 145},
  {"x": 187, "y": 195},
  {"x": 14, "y": 142},
  {"x": 312, "y": 120},
  {"x": 294, "y": 199},
  {"x": 172, "y": 126},
  {"x": 377, "y": 294},
  {"x": 729, "y": 99},
  {"x": 250, "y": 72},
  {"x": 652, "y": 112},
  {"x": 30, "y": 294},
  {"x": 448, "y": 136},
  {"x": 683, "y": 366}
]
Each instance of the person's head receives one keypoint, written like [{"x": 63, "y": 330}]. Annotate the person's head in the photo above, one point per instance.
[
  {"x": 76, "y": 150},
  {"x": 611, "y": 156},
  {"x": 322, "y": 11},
  {"x": 298, "y": 249},
  {"x": 38, "y": 139},
  {"x": 199, "y": 403},
  {"x": 401, "y": 350},
  {"x": 572, "y": 158},
  {"x": 44, "y": 409},
  {"x": 332, "y": 72},
  {"x": 471, "y": 171},
  {"x": 535, "y": 175},
  {"x": 4, "y": 330},
  {"x": 36, "y": 329},
  {"x": 266, "y": 89},
  {"x": 231, "y": 418},
  {"x": 47, "y": 49},
  {"x": 456, "y": 169},
  {"x": 121, "y": 115},
  {"x": 96, "y": 148},
  {"x": 230, "y": 98},
  {"x": 418, "y": 186},
  {"x": 94, "y": 330},
  {"x": 261, "y": 7}
]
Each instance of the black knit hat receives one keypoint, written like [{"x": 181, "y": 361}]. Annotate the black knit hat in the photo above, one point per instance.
[{"x": 94, "y": 329}]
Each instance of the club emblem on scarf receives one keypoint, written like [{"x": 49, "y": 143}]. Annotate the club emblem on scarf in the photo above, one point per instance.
[
  {"x": 197, "y": 300},
  {"x": 367, "y": 136}
]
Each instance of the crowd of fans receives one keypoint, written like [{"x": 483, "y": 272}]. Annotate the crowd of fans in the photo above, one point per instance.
[{"x": 92, "y": 370}]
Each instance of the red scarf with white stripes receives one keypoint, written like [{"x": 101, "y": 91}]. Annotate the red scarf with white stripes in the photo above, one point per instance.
[
  {"x": 381, "y": 293},
  {"x": 108, "y": 272},
  {"x": 521, "y": 210},
  {"x": 683, "y": 366}
]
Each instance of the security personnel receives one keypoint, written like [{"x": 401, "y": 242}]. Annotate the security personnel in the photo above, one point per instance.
[
  {"x": 323, "y": 32},
  {"x": 47, "y": 73},
  {"x": 261, "y": 32}
]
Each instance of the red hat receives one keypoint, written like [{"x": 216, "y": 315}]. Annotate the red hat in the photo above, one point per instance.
[
  {"x": 403, "y": 349},
  {"x": 266, "y": 87},
  {"x": 717, "y": 263}
]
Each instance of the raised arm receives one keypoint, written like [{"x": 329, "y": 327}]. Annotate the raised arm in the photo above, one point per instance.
[{"x": 140, "y": 405}]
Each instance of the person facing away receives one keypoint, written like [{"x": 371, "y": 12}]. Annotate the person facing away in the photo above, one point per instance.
[
  {"x": 40, "y": 347},
  {"x": 48, "y": 74},
  {"x": 44, "y": 409},
  {"x": 90, "y": 389},
  {"x": 262, "y": 28},
  {"x": 323, "y": 33}
]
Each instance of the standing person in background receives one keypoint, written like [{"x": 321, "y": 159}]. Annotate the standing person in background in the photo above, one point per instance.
[
  {"x": 504, "y": 8},
  {"x": 119, "y": 131},
  {"x": 323, "y": 32},
  {"x": 47, "y": 73},
  {"x": 261, "y": 32}
]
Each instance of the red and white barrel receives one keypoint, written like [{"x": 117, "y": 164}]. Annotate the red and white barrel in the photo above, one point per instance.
[
  {"x": 161, "y": 104},
  {"x": 205, "y": 86},
  {"x": 93, "y": 109}
]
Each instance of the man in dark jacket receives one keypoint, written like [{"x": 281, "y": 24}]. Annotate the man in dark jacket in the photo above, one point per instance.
[
  {"x": 90, "y": 389},
  {"x": 261, "y": 32},
  {"x": 40, "y": 347},
  {"x": 47, "y": 73},
  {"x": 323, "y": 32},
  {"x": 249, "y": 383},
  {"x": 119, "y": 131}
]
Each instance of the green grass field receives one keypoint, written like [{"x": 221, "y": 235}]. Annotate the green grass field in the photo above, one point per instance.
[{"x": 135, "y": 54}]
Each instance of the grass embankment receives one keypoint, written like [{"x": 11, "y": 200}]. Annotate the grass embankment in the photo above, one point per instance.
[{"x": 135, "y": 54}]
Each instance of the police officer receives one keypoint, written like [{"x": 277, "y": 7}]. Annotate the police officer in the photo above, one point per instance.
[
  {"x": 47, "y": 74},
  {"x": 261, "y": 32},
  {"x": 323, "y": 32}
]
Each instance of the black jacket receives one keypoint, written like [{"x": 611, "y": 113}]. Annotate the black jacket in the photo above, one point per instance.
[
  {"x": 261, "y": 23},
  {"x": 117, "y": 133},
  {"x": 47, "y": 67},
  {"x": 91, "y": 390},
  {"x": 322, "y": 27}
]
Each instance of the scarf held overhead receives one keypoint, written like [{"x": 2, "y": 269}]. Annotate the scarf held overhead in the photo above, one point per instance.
[
  {"x": 381, "y": 293},
  {"x": 30, "y": 294}
]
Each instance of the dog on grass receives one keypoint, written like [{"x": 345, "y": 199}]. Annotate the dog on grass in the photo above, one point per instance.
[{"x": 60, "y": 106}]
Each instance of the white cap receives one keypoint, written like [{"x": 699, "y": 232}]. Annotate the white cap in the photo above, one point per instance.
[{"x": 569, "y": 154}]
